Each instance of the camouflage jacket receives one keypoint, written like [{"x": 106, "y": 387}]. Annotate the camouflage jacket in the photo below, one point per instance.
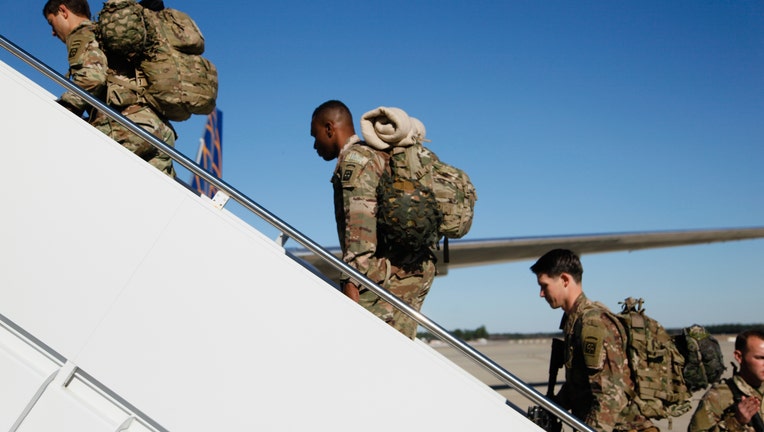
[
  {"x": 597, "y": 374},
  {"x": 87, "y": 66},
  {"x": 716, "y": 410},
  {"x": 355, "y": 180}
]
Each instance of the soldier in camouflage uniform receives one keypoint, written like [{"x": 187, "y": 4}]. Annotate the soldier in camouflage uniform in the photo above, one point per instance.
[
  {"x": 355, "y": 179},
  {"x": 597, "y": 375},
  {"x": 718, "y": 410},
  {"x": 88, "y": 68}
]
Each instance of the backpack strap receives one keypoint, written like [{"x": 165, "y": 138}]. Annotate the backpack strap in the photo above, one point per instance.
[
  {"x": 737, "y": 395},
  {"x": 403, "y": 157},
  {"x": 124, "y": 82},
  {"x": 624, "y": 322},
  {"x": 417, "y": 169}
]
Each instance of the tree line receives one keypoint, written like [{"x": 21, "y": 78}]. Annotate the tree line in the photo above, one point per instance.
[{"x": 482, "y": 333}]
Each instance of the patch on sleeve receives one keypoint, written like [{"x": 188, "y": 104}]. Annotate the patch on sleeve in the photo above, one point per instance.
[
  {"x": 351, "y": 168},
  {"x": 356, "y": 158},
  {"x": 349, "y": 176},
  {"x": 74, "y": 47},
  {"x": 592, "y": 339}
]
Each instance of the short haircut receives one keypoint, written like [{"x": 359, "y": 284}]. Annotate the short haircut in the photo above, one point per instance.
[
  {"x": 741, "y": 341},
  {"x": 559, "y": 261},
  {"x": 333, "y": 106},
  {"x": 78, "y": 7}
]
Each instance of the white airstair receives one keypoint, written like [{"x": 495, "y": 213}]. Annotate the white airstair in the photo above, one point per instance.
[{"x": 129, "y": 303}]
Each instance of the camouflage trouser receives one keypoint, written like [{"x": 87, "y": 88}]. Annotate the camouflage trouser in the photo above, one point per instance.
[
  {"x": 146, "y": 118},
  {"x": 411, "y": 288}
]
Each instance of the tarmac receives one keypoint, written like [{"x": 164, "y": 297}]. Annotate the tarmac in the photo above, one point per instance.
[{"x": 528, "y": 360}]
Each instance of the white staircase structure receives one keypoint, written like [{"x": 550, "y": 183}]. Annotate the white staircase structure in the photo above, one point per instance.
[{"x": 111, "y": 321}]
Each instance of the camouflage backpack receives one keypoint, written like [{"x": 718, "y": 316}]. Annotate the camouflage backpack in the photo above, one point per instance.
[
  {"x": 455, "y": 194},
  {"x": 704, "y": 361},
  {"x": 121, "y": 29},
  {"x": 423, "y": 199},
  {"x": 165, "y": 48},
  {"x": 408, "y": 215},
  {"x": 655, "y": 362}
]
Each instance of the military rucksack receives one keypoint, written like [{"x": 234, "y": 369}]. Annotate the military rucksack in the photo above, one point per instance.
[
  {"x": 164, "y": 47},
  {"x": 431, "y": 199},
  {"x": 455, "y": 194},
  {"x": 704, "y": 361},
  {"x": 655, "y": 362},
  {"x": 408, "y": 215},
  {"x": 392, "y": 130}
]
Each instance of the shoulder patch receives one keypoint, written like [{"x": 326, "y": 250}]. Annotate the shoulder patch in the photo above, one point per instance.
[
  {"x": 74, "y": 47},
  {"x": 356, "y": 158},
  {"x": 351, "y": 166},
  {"x": 350, "y": 174},
  {"x": 592, "y": 339}
]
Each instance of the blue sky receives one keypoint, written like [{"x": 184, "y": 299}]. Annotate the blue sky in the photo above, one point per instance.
[{"x": 570, "y": 117}]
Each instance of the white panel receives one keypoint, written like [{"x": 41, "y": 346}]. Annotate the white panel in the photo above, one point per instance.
[
  {"x": 23, "y": 371},
  {"x": 58, "y": 410},
  {"x": 209, "y": 327},
  {"x": 56, "y": 215}
]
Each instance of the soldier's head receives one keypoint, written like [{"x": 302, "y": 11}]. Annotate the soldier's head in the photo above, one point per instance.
[
  {"x": 331, "y": 126},
  {"x": 64, "y": 15},
  {"x": 559, "y": 273},
  {"x": 749, "y": 353}
]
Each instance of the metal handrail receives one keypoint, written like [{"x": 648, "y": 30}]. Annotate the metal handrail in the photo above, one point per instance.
[
  {"x": 60, "y": 361},
  {"x": 434, "y": 328}
]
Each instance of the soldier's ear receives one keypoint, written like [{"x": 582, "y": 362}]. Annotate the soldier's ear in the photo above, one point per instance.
[{"x": 738, "y": 356}]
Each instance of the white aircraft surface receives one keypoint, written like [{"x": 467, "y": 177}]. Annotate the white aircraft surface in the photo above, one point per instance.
[{"x": 111, "y": 321}]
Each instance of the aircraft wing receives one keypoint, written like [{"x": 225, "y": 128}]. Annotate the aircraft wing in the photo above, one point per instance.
[{"x": 470, "y": 253}]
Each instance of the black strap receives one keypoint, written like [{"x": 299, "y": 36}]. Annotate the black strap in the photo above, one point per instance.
[
  {"x": 737, "y": 395},
  {"x": 446, "y": 256},
  {"x": 556, "y": 362}
]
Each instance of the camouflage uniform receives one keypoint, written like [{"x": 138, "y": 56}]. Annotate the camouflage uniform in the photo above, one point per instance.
[
  {"x": 716, "y": 411},
  {"x": 355, "y": 180},
  {"x": 147, "y": 119},
  {"x": 88, "y": 69},
  {"x": 597, "y": 374}
]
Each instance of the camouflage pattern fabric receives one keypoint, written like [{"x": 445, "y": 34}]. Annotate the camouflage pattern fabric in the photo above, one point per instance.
[
  {"x": 87, "y": 66},
  {"x": 655, "y": 362},
  {"x": 146, "y": 118},
  {"x": 164, "y": 48},
  {"x": 408, "y": 215},
  {"x": 355, "y": 181},
  {"x": 127, "y": 100},
  {"x": 704, "y": 361},
  {"x": 121, "y": 28},
  {"x": 181, "y": 31},
  {"x": 453, "y": 189},
  {"x": 177, "y": 83},
  {"x": 715, "y": 411},
  {"x": 411, "y": 287},
  {"x": 597, "y": 375}
]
